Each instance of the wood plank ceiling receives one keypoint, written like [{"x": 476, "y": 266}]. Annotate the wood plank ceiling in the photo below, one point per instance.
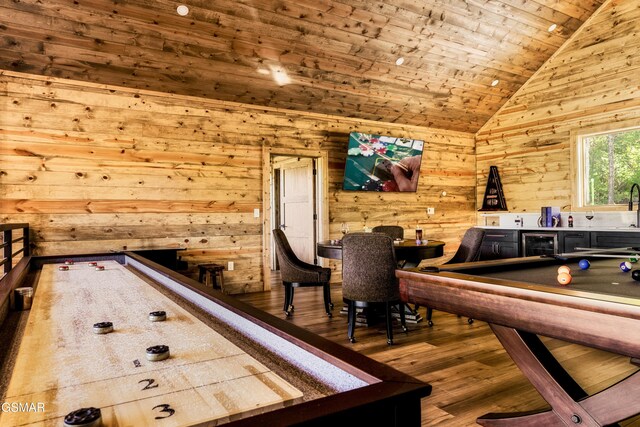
[{"x": 327, "y": 56}]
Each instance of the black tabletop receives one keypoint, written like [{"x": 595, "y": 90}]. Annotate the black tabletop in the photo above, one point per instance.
[{"x": 408, "y": 250}]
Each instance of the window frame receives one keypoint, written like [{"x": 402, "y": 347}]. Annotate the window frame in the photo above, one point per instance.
[{"x": 578, "y": 163}]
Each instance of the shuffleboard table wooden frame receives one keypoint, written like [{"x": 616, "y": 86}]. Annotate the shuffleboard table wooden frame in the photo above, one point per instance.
[
  {"x": 388, "y": 397},
  {"x": 519, "y": 311}
]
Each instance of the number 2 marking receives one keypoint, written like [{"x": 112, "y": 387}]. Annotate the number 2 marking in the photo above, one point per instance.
[
  {"x": 149, "y": 385},
  {"x": 165, "y": 408}
]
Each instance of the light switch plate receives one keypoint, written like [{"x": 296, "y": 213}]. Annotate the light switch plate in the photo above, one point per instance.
[{"x": 230, "y": 266}]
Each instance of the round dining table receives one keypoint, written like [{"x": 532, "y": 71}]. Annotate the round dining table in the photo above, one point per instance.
[{"x": 406, "y": 250}]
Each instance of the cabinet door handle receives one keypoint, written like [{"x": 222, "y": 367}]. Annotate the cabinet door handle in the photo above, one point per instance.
[{"x": 496, "y": 235}]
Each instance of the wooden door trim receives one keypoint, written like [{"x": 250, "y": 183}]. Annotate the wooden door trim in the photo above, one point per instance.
[{"x": 322, "y": 175}]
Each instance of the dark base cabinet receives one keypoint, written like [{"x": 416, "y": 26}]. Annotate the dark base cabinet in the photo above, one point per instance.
[
  {"x": 568, "y": 241},
  {"x": 499, "y": 244},
  {"x": 615, "y": 239}
]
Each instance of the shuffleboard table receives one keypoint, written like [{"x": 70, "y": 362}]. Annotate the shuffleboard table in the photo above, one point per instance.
[
  {"x": 228, "y": 363},
  {"x": 521, "y": 299}
]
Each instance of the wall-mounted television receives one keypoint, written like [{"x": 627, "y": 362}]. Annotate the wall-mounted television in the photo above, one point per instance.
[{"x": 382, "y": 163}]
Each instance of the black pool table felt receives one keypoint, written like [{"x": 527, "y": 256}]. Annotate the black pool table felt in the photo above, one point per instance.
[{"x": 603, "y": 277}]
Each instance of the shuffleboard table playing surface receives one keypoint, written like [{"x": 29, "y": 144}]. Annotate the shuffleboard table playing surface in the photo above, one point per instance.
[{"x": 205, "y": 378}]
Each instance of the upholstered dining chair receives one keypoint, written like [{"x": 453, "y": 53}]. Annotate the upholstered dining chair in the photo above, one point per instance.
[
  {"x": 368, "y": 277},
  {"x": 394, "y": 231},
  {"x": 468, "y": 251},
  {"x": 296, "y": 273}
]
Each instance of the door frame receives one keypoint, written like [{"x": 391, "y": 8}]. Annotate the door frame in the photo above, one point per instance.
[{"x": 322, "y": 200}]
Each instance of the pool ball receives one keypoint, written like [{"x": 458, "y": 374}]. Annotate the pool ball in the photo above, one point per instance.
[
  {"x": 564, "y": 269},
  {"x": 635, "y": 275},
  {"x": 584, "y": 264},
  {"x": 564, "y": 278},
  {"x": 634, "y": 258},
  {"x": 625, "y": 266}
]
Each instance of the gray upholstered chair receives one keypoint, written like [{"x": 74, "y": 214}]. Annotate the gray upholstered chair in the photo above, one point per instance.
[
  {"x": 368, "y": 277},
  {"x": 468, "y": 251},
  {"x": 394, "y": 231},
  {"x": 297, "y": 273}
]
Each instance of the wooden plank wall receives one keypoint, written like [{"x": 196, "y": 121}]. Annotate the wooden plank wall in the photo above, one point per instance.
[
  {"x": 96, "y": 168},
  {"x": 591, "y": 81}
]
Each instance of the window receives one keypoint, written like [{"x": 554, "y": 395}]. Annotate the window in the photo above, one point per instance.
[{"x": 607, "y": 166}]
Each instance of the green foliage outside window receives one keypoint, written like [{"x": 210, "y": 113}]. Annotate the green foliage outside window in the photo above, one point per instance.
[{"x": 611, "y": 166}]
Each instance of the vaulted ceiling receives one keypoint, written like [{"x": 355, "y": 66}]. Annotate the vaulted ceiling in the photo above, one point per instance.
[{"x": 334, "y": 57}]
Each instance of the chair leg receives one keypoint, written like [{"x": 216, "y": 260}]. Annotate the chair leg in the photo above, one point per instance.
[
  {"x": 403, "y": 319},
  {"x": 326, "y": 291},
  {"x": 387, "y": 307},
  {"x": 429, "y": 316},
  {"x": 351, "y": 318},
  {"x": 288, "y": 298}
]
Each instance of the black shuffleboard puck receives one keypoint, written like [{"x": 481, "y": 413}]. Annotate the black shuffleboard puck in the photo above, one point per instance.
[
  {"x": 158, "y": 316},
  {"x": 85, "y": 417},
  {"x": 102, "y": 327},
  {"x": 157, "y": 353}
]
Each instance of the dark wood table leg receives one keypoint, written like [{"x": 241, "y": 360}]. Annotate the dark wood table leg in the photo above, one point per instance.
[{"x": 570, "y": 404}]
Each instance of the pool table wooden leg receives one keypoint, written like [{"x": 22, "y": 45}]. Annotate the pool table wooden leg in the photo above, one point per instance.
[{"x": 557, "y": 387}]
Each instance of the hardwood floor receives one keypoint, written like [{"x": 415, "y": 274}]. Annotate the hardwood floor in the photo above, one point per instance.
[{"x": 470, "y": 372}]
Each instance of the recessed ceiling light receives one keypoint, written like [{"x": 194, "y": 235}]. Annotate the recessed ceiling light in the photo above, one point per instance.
[
  {"x": 182, "y": 10},
  {"x": 280, "y": 75},
  {"x": 552, "y": 27},
  {"x": 495, "y": 82},
  {"x": 400, "y": 61}
]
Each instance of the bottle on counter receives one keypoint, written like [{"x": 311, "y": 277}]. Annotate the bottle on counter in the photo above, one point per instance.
[{"x": 570, "y": 221}]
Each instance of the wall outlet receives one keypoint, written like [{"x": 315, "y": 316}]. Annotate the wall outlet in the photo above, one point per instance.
[
  {"x": 230, "y": 266},
  {"x": 256, "y": 213},
  {"x": 431, "y": 211}
]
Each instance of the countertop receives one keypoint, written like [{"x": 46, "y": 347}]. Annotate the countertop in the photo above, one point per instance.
[{"x": 552, "y": 229}]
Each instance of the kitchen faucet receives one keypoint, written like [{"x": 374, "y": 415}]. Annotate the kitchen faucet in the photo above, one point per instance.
[{"x": 631, "y": 203}]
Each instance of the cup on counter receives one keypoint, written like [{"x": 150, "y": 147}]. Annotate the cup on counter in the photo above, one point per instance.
[
  {"x": 22, "y": 298},
  {"x": 418, "y": 236}
]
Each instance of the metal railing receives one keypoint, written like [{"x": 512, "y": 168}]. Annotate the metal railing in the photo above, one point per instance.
[{"x": 12, "y": 235}]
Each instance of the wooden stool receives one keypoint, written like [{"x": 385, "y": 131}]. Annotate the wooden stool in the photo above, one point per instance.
[{"x": 213, "y": 271}]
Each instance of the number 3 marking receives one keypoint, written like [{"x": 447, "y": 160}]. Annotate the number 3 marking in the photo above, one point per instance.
[
  {"x": 165, "y": 408},
  {"x": 149, "y": 385}
]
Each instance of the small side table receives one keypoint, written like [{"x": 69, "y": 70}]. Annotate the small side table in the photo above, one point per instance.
[{"x": 211, "y": 274}]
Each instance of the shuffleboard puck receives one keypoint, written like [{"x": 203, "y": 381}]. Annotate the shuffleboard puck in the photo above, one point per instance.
[
  {"x": 93, "y": 264},
  {"x": 102, "y": 328},
  {"x": 158, "y": 316},
  {"x": 63, "y": 268},
  {"x": 68, "y": 261},
  {"x": 85, "y": 417},
  {"x": 99, "y": 267},
  {"x": 157, "y": 353}
]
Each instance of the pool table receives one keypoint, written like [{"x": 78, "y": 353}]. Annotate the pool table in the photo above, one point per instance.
[
  {"x": 48, "y": 353},
  {"x": 520, "y": 298}
]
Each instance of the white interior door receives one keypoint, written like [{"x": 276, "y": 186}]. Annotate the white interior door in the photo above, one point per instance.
[{"x": 296, "y": 206}]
